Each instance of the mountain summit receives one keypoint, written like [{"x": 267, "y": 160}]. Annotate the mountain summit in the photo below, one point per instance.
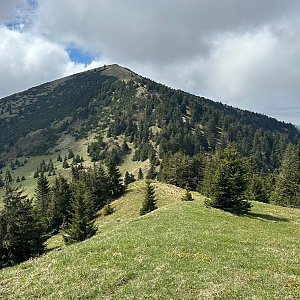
[{"x": 113, "y": 101}]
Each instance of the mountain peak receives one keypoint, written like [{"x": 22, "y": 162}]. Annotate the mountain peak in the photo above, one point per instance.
[{"x": 118, "y": 71}]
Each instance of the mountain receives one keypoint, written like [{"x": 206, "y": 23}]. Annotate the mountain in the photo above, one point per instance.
[
  {"x": 115, "y": 101},
  {"x": 183, "y": 250}
]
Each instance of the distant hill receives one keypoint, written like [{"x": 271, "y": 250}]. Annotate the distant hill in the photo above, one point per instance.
[
  {"x": 183, "y": 250},
  {"x": 114, "y": 101}
]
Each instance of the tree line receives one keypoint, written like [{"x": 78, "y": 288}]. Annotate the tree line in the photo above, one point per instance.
[{"x": 66, "y": 207}]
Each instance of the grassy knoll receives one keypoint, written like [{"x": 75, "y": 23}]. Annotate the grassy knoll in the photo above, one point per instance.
[{"x": 183, "y": 250}]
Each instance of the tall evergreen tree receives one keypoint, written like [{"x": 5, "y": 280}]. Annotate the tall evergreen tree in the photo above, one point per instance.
[
  {"x": 60, "y": 203},
  {"x": 287, "y": 191},
  {"x": 149, "y": 203},
  {"x": 140, "y": 174},
  {"x": 21, "y": 233},
  {"x": 81, "y": 226},
  {"x": 226, "y": 182},
  {"x": 42, "y": 195},
  {"x": 115, "y": 184}
]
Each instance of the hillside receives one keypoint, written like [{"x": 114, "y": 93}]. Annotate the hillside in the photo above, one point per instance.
[
  {"x": 183, "y": 250},
  {"x": 115, "y": 101}
]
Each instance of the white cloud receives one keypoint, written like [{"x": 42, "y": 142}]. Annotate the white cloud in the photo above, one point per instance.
[
  {"x": 245, "y": 53},
  {"x": 27, "y": 60}
]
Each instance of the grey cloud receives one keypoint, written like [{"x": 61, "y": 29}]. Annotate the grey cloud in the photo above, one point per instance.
[
  {"x": 244, "y": 53},
  {"x": 7, "y": 8}
]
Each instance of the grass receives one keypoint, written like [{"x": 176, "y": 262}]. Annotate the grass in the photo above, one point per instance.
[{"x": 182, "y": 250}]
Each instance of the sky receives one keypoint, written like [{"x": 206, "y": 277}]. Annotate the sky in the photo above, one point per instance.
[{"x": 242, "y": 53}]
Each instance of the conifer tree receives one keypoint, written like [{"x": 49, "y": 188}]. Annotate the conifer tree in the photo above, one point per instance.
[
  {"x": 114, "y": 177},
  {"x": 81, "y": 226},
  {"x": 128, "y": 178},
  {"x": 65, "y": 163},
  {"x": 257, "y": 189},
  {"x": 42, "y": 195},
  {"x": 140, "y": 174},
  {"x": 287, "y": 191},
  {"x": 226, "y": 182},
  {"x": 149, "y": 203},
  {"x": 21, "y": 233},
  {"x": 151, "y": 172},
  {"x": 60, "y": 203},
  {"x": 59, "y": 158}
]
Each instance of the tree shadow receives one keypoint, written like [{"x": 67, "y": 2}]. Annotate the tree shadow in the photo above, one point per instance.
[{"x": 266, "y": 217}]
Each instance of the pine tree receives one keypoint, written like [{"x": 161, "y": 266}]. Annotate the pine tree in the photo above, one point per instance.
[
  {"x": 149, "y": 203},
  {"x": 59, "y": 158},
  {"x": 81, "y": 226},
  {"x": 226, "y": 182},
  {"x": 21, "y": 234},
  {"x": 287, "y": 190},
  {"x": 187, "y": 196},
  {"x": 140, "y": 174},
  {"x": 42, "y": 195}
]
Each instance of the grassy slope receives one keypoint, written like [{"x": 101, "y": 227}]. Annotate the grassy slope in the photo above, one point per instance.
[{"x": 180, "y": 251}]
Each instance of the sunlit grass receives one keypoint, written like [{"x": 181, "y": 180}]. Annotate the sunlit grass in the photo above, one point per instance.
[{"x": 183, "y": 250}]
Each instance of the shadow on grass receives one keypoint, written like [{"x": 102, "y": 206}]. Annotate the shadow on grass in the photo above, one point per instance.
[{"x": 266, "y": 217}]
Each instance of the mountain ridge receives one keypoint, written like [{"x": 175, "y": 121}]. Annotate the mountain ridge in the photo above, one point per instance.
[{"x": 110, "y": 98}]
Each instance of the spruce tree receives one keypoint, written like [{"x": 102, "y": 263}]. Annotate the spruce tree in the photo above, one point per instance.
[
  {"x": 226, "y": 182},
  {"x": 140, "y": 174},
  {"x": 128, "y": 178},
  {"x": 114, "y": 178},
  {"x": 60, "y": 203},
  {"x": 21, "y": 233},
  {"x": 287, "y": 190},
  {"x": 42, "y": 195},
  {"x": 149, "y": 203},
  {"x": 81, "y": 226}
]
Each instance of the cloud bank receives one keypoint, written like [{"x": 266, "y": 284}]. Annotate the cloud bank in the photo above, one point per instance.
[{"x": 243, "y": 53}]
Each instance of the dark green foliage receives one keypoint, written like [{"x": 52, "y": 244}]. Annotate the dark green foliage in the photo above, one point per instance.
[
  {"x": 99, "y": 185},
  {"x": 59, "y": 158},
  {"x": 225, "y": 181},
  {"x": 60, "y": 203},
  {"x": 81, "y": 226},
  {"x": 188, "y": 196},
  {"x": 21, "y": 233},
  {"x": 42, "y": 195},
  {"x": 149, "y": 203},
  {"x": 128, "y": 178},
  {"x": 140, "y": 174},
  {"x": 116, "y": 188},
  {"x": 287, "y": 191},
  {"x": 23, "y": 178},
  {"x": 258, "y": 189},
  {"x": 182, "y": 171},
  {"x": 65, "y": 163}
]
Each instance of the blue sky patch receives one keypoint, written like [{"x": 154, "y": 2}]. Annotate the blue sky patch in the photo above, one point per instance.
[{"x": 78, "y": 55}]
